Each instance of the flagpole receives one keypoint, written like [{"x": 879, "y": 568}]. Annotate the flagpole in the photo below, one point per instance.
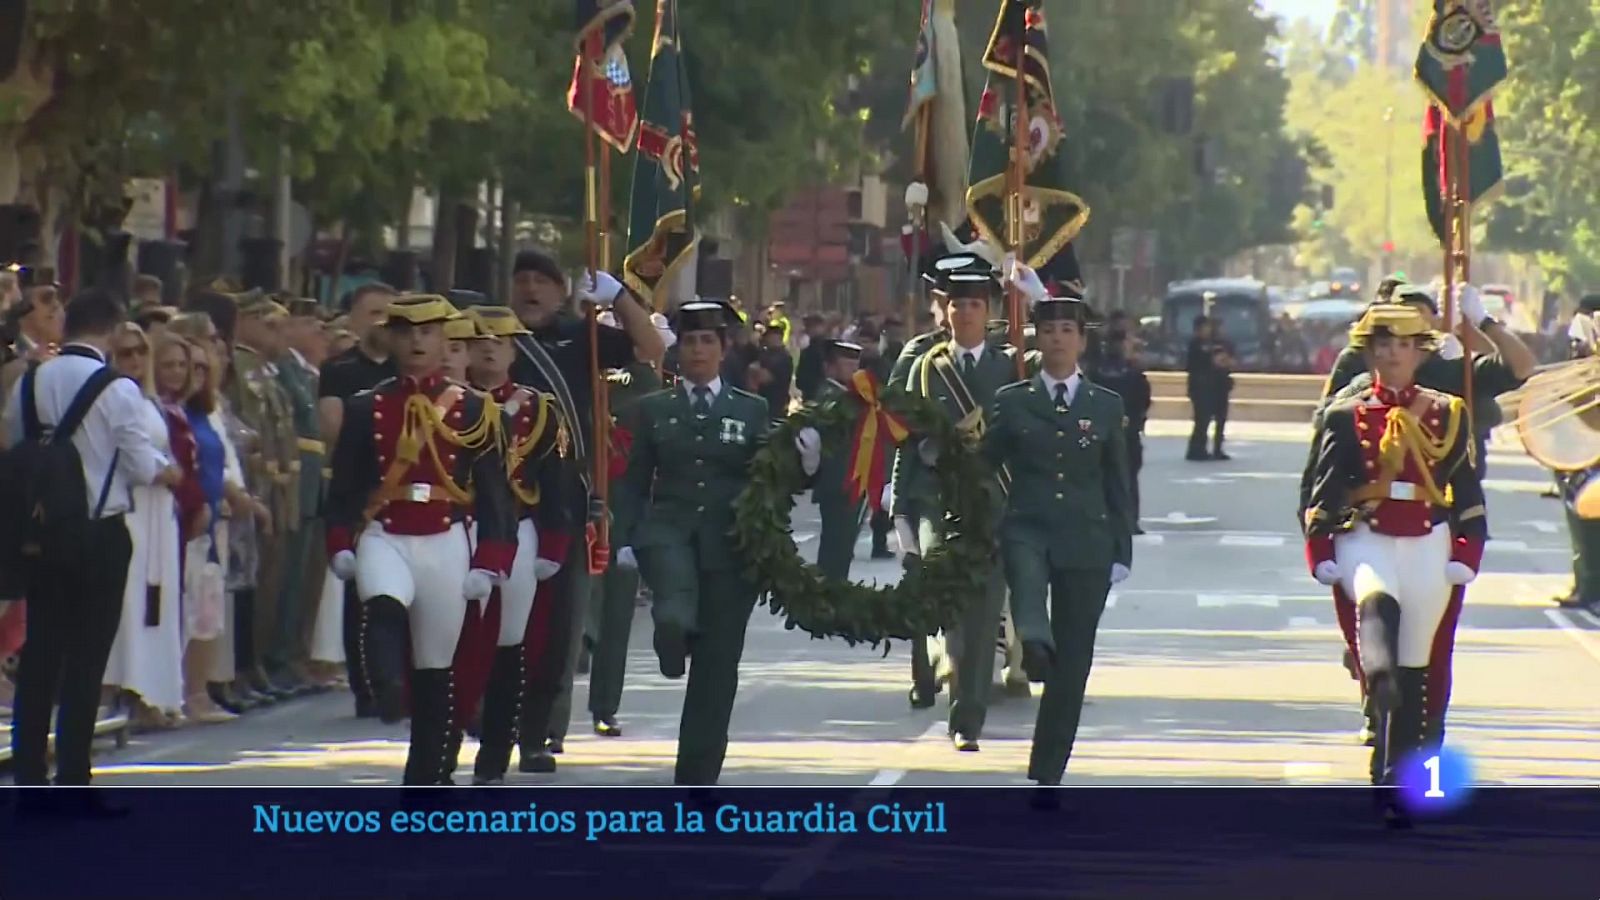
[
  {"x": 1463, "y": 149},
  {"x": 1019, "y": 187},
  {"x": 599, "y": 553}
]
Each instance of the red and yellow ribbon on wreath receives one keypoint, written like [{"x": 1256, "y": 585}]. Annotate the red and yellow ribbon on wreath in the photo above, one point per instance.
[{"x": 875, "y": 424}]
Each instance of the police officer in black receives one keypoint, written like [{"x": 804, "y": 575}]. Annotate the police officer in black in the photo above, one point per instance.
[{"x": 1210, "y": 383}]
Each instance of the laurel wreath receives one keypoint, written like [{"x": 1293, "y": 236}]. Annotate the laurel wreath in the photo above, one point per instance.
[{"x": 932, "y": 590}]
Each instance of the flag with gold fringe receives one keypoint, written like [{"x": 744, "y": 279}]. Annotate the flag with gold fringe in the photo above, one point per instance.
[
  {"x": 666, "y": 173},
  {"x": 603, "y": 25},
  {"x": 1459, "y": 65},
  {"x": 1051, "y": 214}
]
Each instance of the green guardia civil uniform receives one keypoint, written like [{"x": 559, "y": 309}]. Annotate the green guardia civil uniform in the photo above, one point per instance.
[
  {"x": 613, "y": 613},
  {"x": 689, "y": 461},
  {"x": 295, "y": 596},
  {"x": 1067, "y": 519},
  {"x": 264, "y": 406},
  {"x": 963, "y": 382},
  {"x": 841, "y": 516}
]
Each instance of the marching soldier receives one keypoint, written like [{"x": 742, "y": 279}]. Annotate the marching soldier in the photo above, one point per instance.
[
  {"x": 1395, "y": 521},
  {"x": 459, "y": 332},
  {"x": 689, "y": 460},
  {"x": 536, "y": 433},
  {"x": 414, "y": 457},
  {"x": 265, "y": 407},
  {"x": 841, "y": 516},
  {"x": 962, "y": 375},
  {"x": 1067, "y": 531},
  {"x": 618, "y": 586}
]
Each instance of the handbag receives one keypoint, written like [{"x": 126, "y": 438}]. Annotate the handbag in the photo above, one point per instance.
[{"x": 204, "y": 606}]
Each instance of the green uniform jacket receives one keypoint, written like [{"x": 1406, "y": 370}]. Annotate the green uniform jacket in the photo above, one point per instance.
[
  {"x": 263, "y": 406},
  {"x": 299, "y": 383},
  {"x": 625, "y": 388},
  {"x": 1069, "y": 477},
  {"x": 684, "y": 473},
  {"x": 932, "y": 375}
]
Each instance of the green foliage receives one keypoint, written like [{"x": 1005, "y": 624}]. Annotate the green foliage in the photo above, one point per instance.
[
  {"x": 931, "y": 592},
  {"x": 1548, "y": 114}
]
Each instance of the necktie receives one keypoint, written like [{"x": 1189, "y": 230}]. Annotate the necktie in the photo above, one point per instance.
[
  {"x": 969, "y": 364},
  {"x": 702, "y": 402},
  {"x": 1061, "y": 396}
]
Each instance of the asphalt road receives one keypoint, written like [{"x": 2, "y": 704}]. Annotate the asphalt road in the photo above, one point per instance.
[{"x": 1217, "y": 663}]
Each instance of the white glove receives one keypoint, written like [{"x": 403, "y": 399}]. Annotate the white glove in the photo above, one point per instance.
[
  {"x": 1458, "y": 573},
  {"x": 343, "y": 565},
  {"x": 545, "y": 569},
  {"x": 602, "y": 295},
  {"x": 1024, "y": 277},
  {"x": 928, "y": 452},
  {"x": 809, "y": 444},
  {"x": 886, "y": 499},
  {"x": 906, "y": 534},
  {"x": 1470, "y": 302},
  {"x": 916, "y": 195},
  {"x": 1326, "y": 572},
  {"x": 479, "y": 584},
  {"x": 625, "y": 559},
  {"x": 1119, "y": 573}
]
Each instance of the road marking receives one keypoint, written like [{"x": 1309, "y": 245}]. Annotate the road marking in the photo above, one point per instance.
[
  {"x": 1577, "y": 634},
  {"x": 1302, "y": 771},
  {"x": 1590, "y": 617},
  {"x": 1179, "y": 518},
  {"x": 887, "y": 778},
  {"x": 1111, "y": 600},
  {"x": 1304, "y": 622},
  {"x": 1510, "y": 546},
  {"x": 1150, "y": 540},
  {"x": 800, "y": 537},
  {"x": 1545, "y": 527},
  {"x": 1200, "y": 480},
  {"x": 1252, "y": 540},
  {"x": 1214, "y": 601}
]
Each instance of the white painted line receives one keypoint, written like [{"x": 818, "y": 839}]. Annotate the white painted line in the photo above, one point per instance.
[
  {"x": 1545, "y": 527},
  {"x": 1252, "y": 540},
  {"x": 1214, "y": 601},
  {"x": 1509, "y": 546},
  {"x": 1590, "y": 617},
  {"x": 1304, "y": 622},
  {"x": 1150, "y": 540},
  {"x": 1577, "y": 634},
  {"x": 887, "y": 778},
  {"x": 1111, "y": 600}
]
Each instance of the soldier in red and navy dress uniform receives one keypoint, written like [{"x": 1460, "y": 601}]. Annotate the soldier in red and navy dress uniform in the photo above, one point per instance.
[
  {"x": 416, "y": 457},
  {"x": 535, "y": 451},
  {"x": 1395, "y": 524}
]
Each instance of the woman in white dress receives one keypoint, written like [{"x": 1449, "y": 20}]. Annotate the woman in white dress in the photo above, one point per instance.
[{"x": 146, "y": 658}]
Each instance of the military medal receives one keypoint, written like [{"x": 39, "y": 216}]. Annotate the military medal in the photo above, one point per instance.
[{"x": 732, "y": 431}]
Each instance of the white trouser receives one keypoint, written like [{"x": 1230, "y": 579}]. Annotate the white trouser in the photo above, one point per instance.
[
  {"x": 1410, "y": 569},
  {"x": 327, "y": 635},
  {"x": 516, "y": 592},
  {"x": 427, "y": 574}
]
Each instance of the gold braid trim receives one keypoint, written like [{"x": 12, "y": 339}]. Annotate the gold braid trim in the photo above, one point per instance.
[
  {"x": 1405, "y": 435},
  {"x": 422, "y": 420},
  {"x": 521, "y": 450}
]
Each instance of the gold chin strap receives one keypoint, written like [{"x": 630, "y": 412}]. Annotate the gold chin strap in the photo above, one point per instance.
[{"x": 1405, "y": 435}]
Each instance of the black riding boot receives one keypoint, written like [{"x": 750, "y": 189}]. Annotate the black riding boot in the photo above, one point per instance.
[
  {"x": 502, "y": 708},
  {"x": 384, "y": 652},
  {"x": 431, "y": 726}
]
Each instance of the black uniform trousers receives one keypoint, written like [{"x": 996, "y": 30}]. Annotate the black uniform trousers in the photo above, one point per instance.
[
  {"x": 1133, "y": 439},
  {"x": 1210, "y": 407},
  {"x": 73, "y": 614}
]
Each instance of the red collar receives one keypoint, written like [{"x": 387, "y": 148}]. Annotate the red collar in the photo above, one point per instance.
[
  {"x": 1403, "y": 397},
  {"x": 503, "y": 392},
  {"x": 427, "y": 384}
]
